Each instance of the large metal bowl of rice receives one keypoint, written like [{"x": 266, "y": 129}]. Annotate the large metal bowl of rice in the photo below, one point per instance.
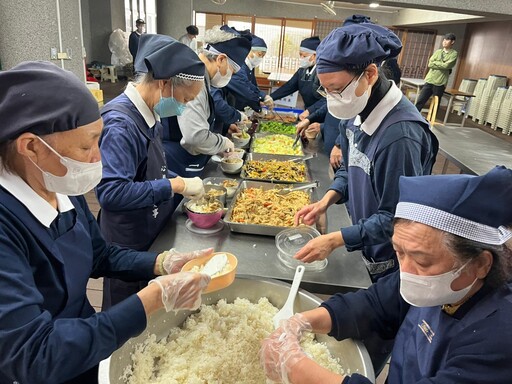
[{"x": 350, "y": 354}]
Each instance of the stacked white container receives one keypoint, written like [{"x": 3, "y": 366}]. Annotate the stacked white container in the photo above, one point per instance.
[
  {"x": 492, "y": 115},
  {"x": 468, "y": 86},
  {"x": 504, "y": 120},
  {"x": 475, "y": 101},
  {"x": 492, "y": 84}
]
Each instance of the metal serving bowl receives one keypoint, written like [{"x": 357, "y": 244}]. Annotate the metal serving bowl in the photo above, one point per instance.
[{"x": 352, "y": 354}]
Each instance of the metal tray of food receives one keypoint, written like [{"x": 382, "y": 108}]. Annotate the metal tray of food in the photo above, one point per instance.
[
  {"x": 267, "y": 157},
  {"x": 256, "y": 229},
  {"x": 289, "y": 141},
  {"x": 282, "y": 116},
  {"x": 226, "y": 182}
]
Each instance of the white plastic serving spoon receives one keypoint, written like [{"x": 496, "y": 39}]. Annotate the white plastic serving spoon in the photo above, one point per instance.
[{"x": 287, "y": 310}]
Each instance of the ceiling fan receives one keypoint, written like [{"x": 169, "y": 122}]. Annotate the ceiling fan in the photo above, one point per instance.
[
  {"x": 219, "y": 2},
  {"x": 328, "y": 7}
]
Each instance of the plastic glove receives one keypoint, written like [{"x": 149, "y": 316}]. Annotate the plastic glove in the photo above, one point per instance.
[
  {"x": 243, "y": 116},
  {"x": 281, "y": 350},
  {"x": 301, "y": 126},
  {"x": 193, "y": 188},
  {"x": 304, "y": 115},
  {"x": 173, "y": 260},
  {"x": 182, "y": 290},
  {"x": 228, "y": 145},
  {"x": 268, "y": 101}
]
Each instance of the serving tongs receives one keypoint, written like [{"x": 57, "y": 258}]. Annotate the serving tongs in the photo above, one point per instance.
[
  {"x": 296, "y": 141},
  {"x": 286, "y": 190},
  {"x": 304, "y": 158}
]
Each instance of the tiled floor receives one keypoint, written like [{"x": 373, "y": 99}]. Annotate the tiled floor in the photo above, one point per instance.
[{"x": 94, "y": 288}]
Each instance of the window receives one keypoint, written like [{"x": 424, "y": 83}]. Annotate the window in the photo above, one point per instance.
[
  {"x": 418, "y": 46},
  {"x": 140, "y": 9},
  {"x": 294, "y": 32},
  {"x": 241, "y": 23},
  {"x": 270, "y": 31}
]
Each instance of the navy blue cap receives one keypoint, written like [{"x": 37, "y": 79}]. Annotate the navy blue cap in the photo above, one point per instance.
[
  {"x": 166, "y": 57},
  {"x": 258, "y": 42},
  {"x": 468, "y": 206},
  {"x": 236, "y": 49},
  {"x": 310, "y": 43},
  {"x": 356, "y": 19},
  {"x": 355, "y": 46},
  {"x": 42, "y": 98}
]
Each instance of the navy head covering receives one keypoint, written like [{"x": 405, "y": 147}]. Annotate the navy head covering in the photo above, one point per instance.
[
  {"x": 473, "y": 207},
  {"x": 355, "y": 46},
  {"x": 356, "y": 19},
  {"x": 310, "y": 43},
  {"x": 237, "y": 48},
  {"x": 167, "y": 57},
  {"x": 258, "y": 44},
  {"x": 42, "y": 98}
]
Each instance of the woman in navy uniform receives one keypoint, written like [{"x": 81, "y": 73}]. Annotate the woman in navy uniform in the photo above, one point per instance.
[
  {"x": 305, "y": 80},
  {"x": 136, "y": 191},
  {"x": 384, "y": 138},
  {"x": 449, "y": 307},
  {"x": 243, "y": 88},
  {"x": 50, "y": 243},
  {"x": 189, "y": 139}
]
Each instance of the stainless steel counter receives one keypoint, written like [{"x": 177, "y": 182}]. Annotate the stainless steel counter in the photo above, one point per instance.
[{"x": 257, "y": 255}]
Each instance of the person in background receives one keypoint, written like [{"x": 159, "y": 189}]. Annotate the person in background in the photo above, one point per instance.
[
  {"x": 305, "y": 80},
  {"x": 243, "y": 88},
  {"x": 449, "y": 307},
  {"x": 190, "y": 37},
  {"x": 50, "y": 243},
  {"x": 133, "y": 41},
  {"x": 188, "y": 139},
  {"x": 440, "y": 66},
  {"x": 136, "y": 192},
  {"x": 226, "y": 115}
]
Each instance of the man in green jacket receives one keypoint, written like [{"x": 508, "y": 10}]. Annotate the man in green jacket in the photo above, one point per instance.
[{"x": 440, "y": 66}]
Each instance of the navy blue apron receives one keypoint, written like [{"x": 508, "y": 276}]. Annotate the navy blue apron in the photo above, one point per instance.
[
  {"x": 68, "y": 242},
  {"x": 308, "y": 84},
  {"x": 179, "y": 160},
  {"x": 380, "y": 259},
  {"x": 136, "y": 228}
]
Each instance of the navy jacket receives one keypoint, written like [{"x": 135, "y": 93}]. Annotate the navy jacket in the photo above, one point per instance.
[
  {"x": 472, "y": 346},
  {"x": 45, "y": 339},
  {"x": 243, "y": 88}
]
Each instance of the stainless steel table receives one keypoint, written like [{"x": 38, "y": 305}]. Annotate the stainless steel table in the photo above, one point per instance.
[
  {"x": 257, "y": 255},
  {"x": 472, "y": 150}
]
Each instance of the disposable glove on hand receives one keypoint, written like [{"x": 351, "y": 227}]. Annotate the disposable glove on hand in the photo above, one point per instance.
[
  {"x": 173, "y": 260},
  {"x": 228, "y": 145},
  {"x": 193, "y": 188},
  {"x": 268, "y": 101},
  {"x": 281, "y": 350},
  {"x": 243, "y": 116},
  {"x": 182, "y": 290}
]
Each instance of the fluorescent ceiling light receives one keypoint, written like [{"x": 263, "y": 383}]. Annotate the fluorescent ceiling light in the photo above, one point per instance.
[
  {"x": 374, "y": 5},
  {"x": 328, "y": 7}
]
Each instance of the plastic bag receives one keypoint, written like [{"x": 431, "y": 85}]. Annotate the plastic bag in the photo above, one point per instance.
[{"x": 118, "y": 45}]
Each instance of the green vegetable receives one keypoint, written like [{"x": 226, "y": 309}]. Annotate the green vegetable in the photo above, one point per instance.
[{"x": 277, "y": 127}]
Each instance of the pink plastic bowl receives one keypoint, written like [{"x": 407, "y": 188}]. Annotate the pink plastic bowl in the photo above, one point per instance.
[{"x": 204, "y": 220}]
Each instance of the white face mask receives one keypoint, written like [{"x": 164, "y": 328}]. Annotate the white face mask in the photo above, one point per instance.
[
  {"x": 219, "y": 81},
  {"x": 255, "y": 61},
  {"x": 430, "y": 291},
  {"x": 304, "y": 62},
  {"x": 79, "y": 179},
  {"x": 347, "y": 105}
]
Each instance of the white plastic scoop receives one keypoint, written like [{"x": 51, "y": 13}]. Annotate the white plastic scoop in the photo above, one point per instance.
[
  {"x": 287, "y": 310},
  {"x": 215, "y": 264}
]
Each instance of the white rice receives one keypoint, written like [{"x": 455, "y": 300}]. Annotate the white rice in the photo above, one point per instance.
[{"x": 217, "y": 345}]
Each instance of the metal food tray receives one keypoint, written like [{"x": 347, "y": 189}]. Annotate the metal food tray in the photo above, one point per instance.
[
  {"x": 267, "y": 156},
  {"x": 254, "y": 229},
  {"x": 259, "y": 127},
  {"x": 263, "y": 134},
  {"x": 280, "y": 113}
]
